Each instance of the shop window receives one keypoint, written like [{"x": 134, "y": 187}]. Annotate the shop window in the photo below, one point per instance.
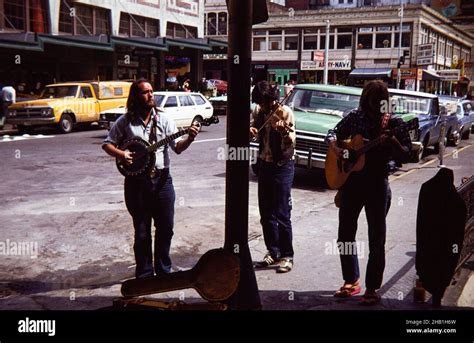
[{"x": 364, "y": 41}]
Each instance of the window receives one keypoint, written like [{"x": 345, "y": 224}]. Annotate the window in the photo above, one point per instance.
[
  {"x": 211, "y": 24},
  {"x": 88, "y": 20},
  {"x": 136, "y": 26},
  {"x": 118, "y": 91},
  {"x": 24, "y": 15},
  {"x": 274, "y": 43},
  {"x": 310, "y": 43},
  {"x": 383, "y": 40},
  {"x": 291, "y": 43},
  {"x": 85, "y": 92},
  {"x": 186, "y": 100},
  {"x": 405, "y": 40},
  {"x": 364, "y": 41},
  {"x": 259, "y": 44},
  {"x": 159, "y": 100},
  {"x": 222, "y": 24},
  {"x": 198, "y": 100},
  {"x": 322, "y": 41},
  {"x": 341, "y": 1},
  {"x": 174, "y": 30},
  {"x": 171, "y": 102},
  {"x": 344, "y": 38}
]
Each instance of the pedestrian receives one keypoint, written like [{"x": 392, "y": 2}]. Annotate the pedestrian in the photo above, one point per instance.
[
  {"x": 151, "y": 196},
  {"x": 187, "y": 85},
  {"x": 367, "y": 188},
  {"x": 276, "y": 168},
  {"x": 289, "y": 85},
  {"x": 8, "y": 97}
]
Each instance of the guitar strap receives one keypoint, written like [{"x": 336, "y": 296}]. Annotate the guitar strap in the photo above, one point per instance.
[{"x": 153, "y": 138}]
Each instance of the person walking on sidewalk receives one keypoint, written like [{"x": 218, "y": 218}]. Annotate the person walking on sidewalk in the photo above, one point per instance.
[
  {"x": 8, "y": 97},
  {"x": 276, "y": 169},
  {"x": 150, "y": 196},
  {"x": 367, "y": 188}
]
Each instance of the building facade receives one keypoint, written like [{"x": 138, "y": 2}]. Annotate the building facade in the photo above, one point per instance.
[{"x": 44, "y": 41}]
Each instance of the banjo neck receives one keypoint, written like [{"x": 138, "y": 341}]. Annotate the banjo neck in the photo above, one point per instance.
[{"x": 153, "y": 147}]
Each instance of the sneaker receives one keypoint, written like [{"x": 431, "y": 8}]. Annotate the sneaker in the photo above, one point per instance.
[
  {"x": 286, "y": 264},
  {"x": 267, "y": 261}
]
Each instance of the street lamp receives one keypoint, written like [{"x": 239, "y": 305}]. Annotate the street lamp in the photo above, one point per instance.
[{"x": 326, "y": 54}]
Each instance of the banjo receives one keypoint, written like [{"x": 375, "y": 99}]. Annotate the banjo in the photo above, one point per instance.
[{"x": 144, "y": 153}]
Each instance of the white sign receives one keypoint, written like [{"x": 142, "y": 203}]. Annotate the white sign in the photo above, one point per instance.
[
  {"x": 333, "y": 65},
  {"x": 214, "y": 56},
  {"x": 449, "y": 75},
  {"x": 425, "y": 54}
]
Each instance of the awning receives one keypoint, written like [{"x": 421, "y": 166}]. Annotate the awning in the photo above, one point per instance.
[
  {"x": 196, "y": 43},
  {"x": 139, "y": 42},
  {"x": 429, "y": 75},
  {"x": 100, "y": 42},
  {"x": 371, "y": 73},
  {"x": 216, "y": 43},
  {"x": 22, "y": 41}
]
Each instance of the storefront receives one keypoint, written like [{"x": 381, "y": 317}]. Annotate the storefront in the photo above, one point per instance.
[{"x": 360, "y": 76}]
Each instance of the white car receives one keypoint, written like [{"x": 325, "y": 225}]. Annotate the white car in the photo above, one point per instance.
[{"x": 183, "y": 107}]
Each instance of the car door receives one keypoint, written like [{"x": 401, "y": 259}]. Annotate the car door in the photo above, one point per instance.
[
  {"x": 188, "y": 110},
  {"x": 171, "y": 108},
  {"x": 87, "y": 105},
  {"x": 204, "y": 108}
]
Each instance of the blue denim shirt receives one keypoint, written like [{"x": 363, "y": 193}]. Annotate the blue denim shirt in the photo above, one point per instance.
[{"x": 124, "y": 129}]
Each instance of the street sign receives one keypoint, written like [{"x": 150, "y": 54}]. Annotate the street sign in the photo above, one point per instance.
[
  {"x": 449, "y": 75},
  {"x": 332, "y": 65},
  {"x": 425, "y": 54}
]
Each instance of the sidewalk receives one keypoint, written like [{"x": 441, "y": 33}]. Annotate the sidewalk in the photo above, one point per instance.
[{"x": 317, "y": 273}]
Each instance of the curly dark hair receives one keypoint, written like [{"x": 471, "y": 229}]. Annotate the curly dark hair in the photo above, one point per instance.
[
  {"x": 133, "y": 101},
  {"x": 374, "y": 97},
  {"x": 264, "y": 91}
]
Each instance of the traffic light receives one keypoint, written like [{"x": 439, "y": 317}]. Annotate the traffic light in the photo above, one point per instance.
[{"x": 402, "y": 58}]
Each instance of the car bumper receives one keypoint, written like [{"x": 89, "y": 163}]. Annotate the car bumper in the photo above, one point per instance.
[
  {"x": 31, "y": 121},
  {"x": 106, "y": 124}
]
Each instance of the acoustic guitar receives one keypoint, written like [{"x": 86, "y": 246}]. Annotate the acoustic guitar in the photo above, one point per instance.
[
  {"x": 144, "y": 153},
  {"x": 215, "y": 277},
  {"x": 338, "y": 168}
]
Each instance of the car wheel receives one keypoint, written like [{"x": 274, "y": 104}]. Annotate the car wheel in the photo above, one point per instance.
[
  {"x": 418, "y": 155},
  {"x": 454, "y": 139},
  {"x": 198, "y": 119},
  {"x": 66, "y": 123},
  {"x": 466, "y": 134}
]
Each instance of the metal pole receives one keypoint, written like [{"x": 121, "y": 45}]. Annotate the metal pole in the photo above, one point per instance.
[
  {"x": 326, "y": 54},
  {"x": 400, "y": 46},
  {"x": 237, "y": 171}
]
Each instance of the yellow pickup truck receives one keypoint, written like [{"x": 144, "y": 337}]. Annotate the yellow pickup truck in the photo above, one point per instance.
[{"x": 67, "y": 104}]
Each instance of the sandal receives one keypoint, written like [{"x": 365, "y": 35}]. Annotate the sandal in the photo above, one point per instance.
[
  {"x": 370, "y": 299},
  {"x": 348, "y": 290}
]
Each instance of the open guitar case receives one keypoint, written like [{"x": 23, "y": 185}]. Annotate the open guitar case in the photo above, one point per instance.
[{"x": 215, "y": 277}]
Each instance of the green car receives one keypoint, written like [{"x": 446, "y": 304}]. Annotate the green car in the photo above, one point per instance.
[{"x": 317, "y": 109}]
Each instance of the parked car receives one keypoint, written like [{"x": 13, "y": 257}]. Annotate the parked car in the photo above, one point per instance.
[
  {"x": 426, "y": 107},
  {"x": 219, "y": 103},
  {"x": 317, "y": 109},
  {"x": 464, "y": 110},
  {"x": 220, "y": 85},
  {"x": 67, "y": 104},
  {"x": 183, "y": 107}
]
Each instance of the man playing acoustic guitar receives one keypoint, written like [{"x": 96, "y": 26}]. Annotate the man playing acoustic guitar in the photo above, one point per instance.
[
  {"x": 368, "y": 187},
  {"x": 152, "y": 195}
]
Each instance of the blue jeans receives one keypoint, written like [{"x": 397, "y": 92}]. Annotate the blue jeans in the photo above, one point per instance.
[
  {"x": 148, "y": 199},
  {"x": 274, "y": 202},
  {"x": 373, "y": 193}
]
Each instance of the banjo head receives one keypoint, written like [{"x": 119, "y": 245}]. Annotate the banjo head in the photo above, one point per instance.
[{"x": 143, "y": 160}]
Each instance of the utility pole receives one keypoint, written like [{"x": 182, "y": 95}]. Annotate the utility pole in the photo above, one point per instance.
[
  {"x": 400, "y": 46},
  {"x": 326, "y": 54}
]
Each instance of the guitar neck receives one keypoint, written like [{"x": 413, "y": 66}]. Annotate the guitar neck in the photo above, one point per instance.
[
  {"x": 372, "y": 144},
  {"x": 157, "y": 284},
  {"x": 166, "y": 140}
]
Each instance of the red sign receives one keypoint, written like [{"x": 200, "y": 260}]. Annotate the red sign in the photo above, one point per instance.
[{"x": 318, "y": 56}]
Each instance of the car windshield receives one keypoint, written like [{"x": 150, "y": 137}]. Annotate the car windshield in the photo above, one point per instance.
[
  {"x": 322, "y": 102},
  {"x": 56, "y": 92},
  {"x": 402, "y": 104},
  {"x": 451, "y": 106}
]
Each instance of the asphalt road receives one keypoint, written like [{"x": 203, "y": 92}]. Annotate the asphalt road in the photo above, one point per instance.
[{"x": 63, "y": 195}]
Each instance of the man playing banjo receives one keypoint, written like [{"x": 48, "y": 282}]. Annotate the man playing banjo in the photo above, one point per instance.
[{"x": 150, "y": 196}]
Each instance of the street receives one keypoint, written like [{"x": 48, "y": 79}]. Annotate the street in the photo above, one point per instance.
[{"x": 63, "y": 195}]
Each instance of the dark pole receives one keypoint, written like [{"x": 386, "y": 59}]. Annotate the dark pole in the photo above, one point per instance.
[{"x": 237, "y": 172}]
